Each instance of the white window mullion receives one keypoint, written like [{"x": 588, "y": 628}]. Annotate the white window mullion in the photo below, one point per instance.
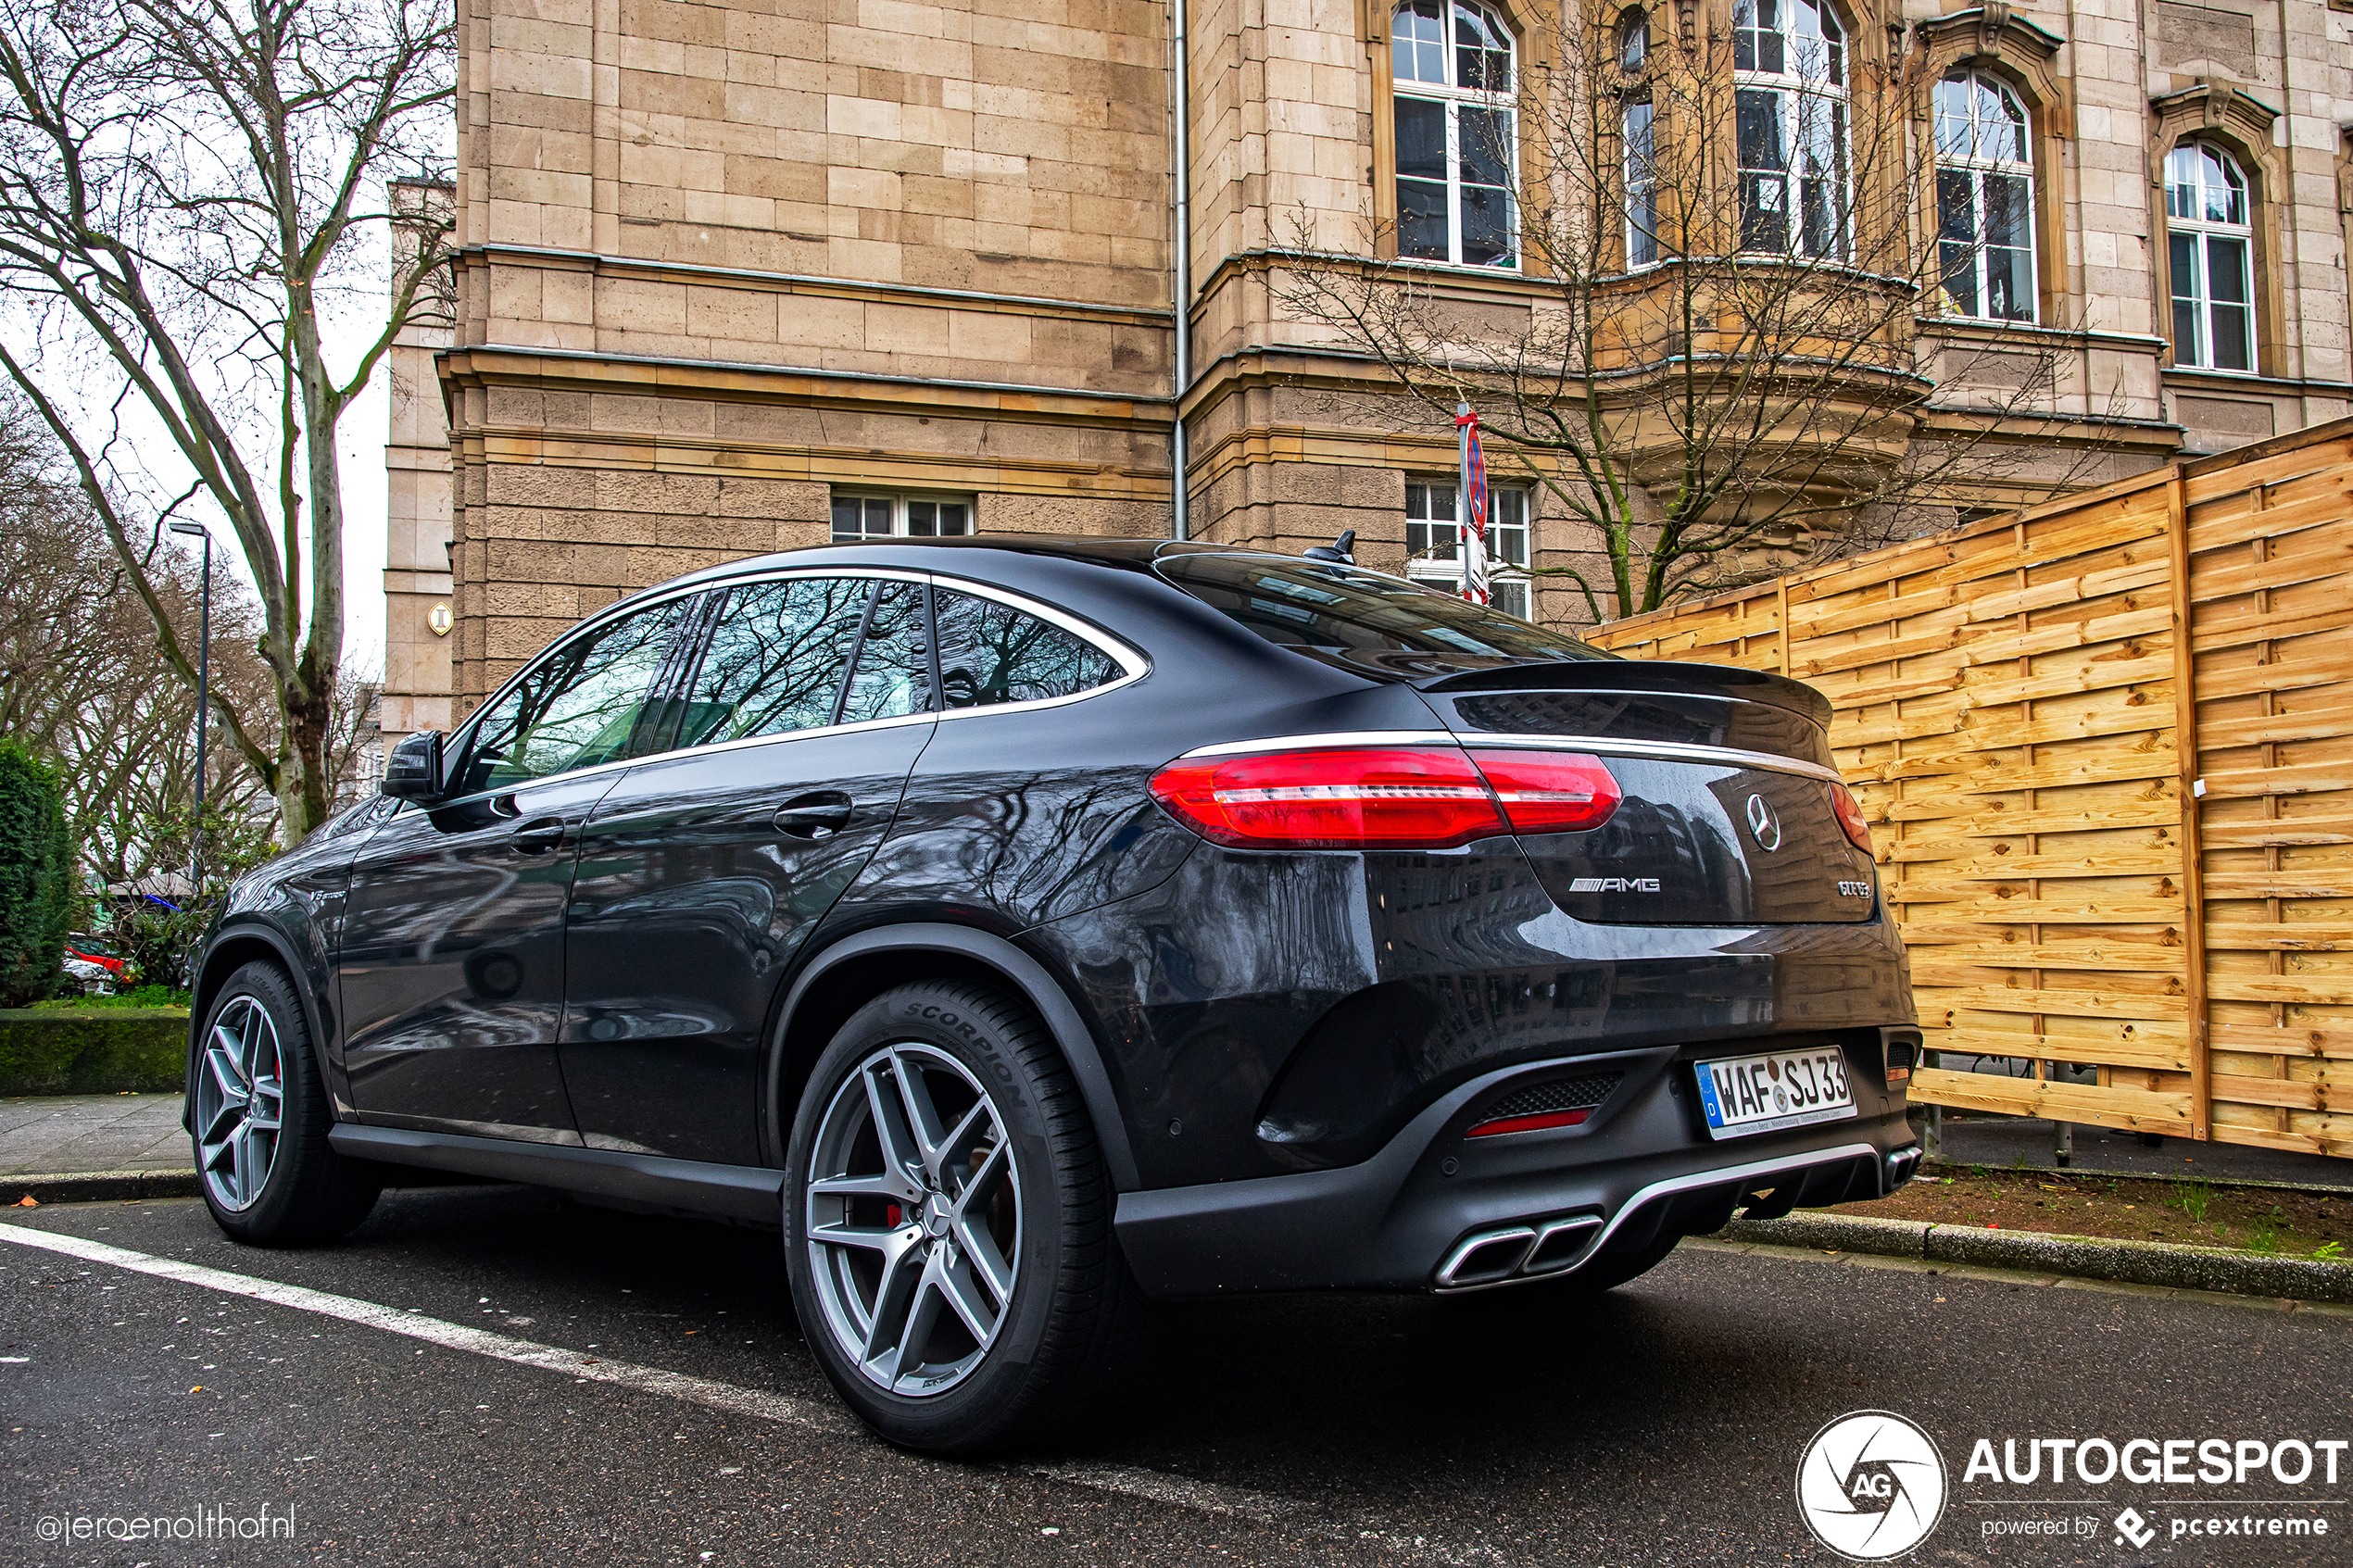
[
  {"x": 2202, "y": 308},
  {"x": 1455, "y": 181}
]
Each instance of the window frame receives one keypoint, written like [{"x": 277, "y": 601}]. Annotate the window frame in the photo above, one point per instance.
[
  {"x": 1795, "y": 89},
  {"x": 1453, "y": 98},
  {"x": 1449, "y": 574},
  {"x": 695, "y": 640},
  {"x": 899, "y": 500},
  {"x": 1645, "y": 186},
  {"x": 1977, "y": 169},
  {"x": 2204, "y": 233}
]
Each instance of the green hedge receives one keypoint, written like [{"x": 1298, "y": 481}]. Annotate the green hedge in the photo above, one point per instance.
[
  {"x": 98, "y": 1051},
  {"x": 36, "y": 877}
]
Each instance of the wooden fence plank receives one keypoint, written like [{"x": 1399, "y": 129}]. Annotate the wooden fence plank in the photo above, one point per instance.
[{"x": 2106, "y": 746}]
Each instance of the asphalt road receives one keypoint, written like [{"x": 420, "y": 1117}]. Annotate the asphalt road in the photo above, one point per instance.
[{"x": 493, "y": 1375}]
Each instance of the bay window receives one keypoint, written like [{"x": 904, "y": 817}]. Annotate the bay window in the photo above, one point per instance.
[
  {"x": 1790, "y": 105},
  {"x": 1457, "y": 138}
]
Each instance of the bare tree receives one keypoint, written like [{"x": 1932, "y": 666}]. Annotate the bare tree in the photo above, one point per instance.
[
  {"x": 1728, "y": 349},
  {"x": 84, "y": 680},
  {"x": 182, "y": 189}
]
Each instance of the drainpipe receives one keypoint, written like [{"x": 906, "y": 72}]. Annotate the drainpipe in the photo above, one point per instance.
[{"x": 1181, "y": 278}]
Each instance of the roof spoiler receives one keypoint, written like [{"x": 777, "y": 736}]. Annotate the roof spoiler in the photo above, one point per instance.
[{"x": 1634, "y": 675}]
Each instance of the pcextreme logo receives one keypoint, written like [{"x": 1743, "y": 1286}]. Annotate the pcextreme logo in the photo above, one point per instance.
[{"x": 1871, "y": 1486}]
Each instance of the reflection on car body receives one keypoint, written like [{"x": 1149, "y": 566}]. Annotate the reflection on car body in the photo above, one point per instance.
[{"x": 1017, "y": 923}]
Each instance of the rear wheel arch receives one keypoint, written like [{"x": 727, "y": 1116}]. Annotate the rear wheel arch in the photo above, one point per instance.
[{"x": 859, "y": 967}]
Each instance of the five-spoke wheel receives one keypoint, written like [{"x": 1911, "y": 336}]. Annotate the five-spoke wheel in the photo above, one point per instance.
[
  {"x": 240, "y": 1103},
  {"x": 947, "y": 1221},
  {"x": 260, "y": 1119},
  {"x": 913, "y": 1219}
]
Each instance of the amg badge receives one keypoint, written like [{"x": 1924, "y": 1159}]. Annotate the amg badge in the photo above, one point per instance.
[
  {"x": 1615, "y": 885},
  {"x": 1854, "y": 889}
]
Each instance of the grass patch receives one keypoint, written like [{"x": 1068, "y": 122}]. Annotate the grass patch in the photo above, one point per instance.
[{"x": 142, "y": 997}]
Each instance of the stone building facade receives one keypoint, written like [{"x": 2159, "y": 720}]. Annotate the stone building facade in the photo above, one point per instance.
[
  {"x": 742, "y": 275},
  {"x": 420, "y": 610}
]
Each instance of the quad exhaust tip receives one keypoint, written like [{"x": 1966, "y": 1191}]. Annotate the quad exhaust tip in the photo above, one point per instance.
[{"x": 1508, "y": 1253}]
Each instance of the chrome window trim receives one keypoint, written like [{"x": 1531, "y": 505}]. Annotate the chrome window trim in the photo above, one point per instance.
[
  {"x": 1345, "y": 737},
  {"x": 1602, "y": 746},
  {"x": 1129, "y": 660},
  {"x": 1662, "y": 750},
  {"x": 1133, "y": 666}
]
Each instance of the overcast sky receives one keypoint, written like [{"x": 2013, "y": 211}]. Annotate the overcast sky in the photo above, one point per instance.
[{"x": 363, "y": 431}]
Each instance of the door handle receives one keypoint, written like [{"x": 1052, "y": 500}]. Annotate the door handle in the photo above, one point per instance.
[
  {"x": 821, "y": 815},
  {"x": 537, "y": 836}
]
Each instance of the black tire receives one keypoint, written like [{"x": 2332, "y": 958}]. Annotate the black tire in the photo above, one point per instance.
[
  {"x": 307, "y": 1192},
  {"x": 1069, "y": 1289}
]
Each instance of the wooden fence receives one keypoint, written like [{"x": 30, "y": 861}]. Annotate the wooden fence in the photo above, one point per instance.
[{"x": 2105, "y": 924}]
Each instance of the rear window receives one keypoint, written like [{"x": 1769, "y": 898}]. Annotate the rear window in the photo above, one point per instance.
[{"x": 1325, "y": 605}]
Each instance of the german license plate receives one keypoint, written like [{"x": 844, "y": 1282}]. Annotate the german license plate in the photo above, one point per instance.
[{"x": 1763, "y": 1094}]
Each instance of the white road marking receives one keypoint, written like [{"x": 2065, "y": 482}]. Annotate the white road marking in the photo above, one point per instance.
[
  {"x": 784, "y": 1407},
  {"x": 1150, "y": 1486}
]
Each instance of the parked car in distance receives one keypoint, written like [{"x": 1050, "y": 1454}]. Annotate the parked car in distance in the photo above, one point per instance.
[
  {"x": 94, "y": 964},
  {"x": 1019, "y": 924}
]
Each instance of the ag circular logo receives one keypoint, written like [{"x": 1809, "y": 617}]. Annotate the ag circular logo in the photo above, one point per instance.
[
  {"x": 1763, "y": 825},
  {"x": 1871, "y": 1486}
]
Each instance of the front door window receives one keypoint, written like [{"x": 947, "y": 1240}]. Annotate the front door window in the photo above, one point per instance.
[{"x": 577, "y": 708}]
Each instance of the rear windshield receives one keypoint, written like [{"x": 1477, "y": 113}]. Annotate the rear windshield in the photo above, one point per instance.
[{"x": 1325, "y": 605}]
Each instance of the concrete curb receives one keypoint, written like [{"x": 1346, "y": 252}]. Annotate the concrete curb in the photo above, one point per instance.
[
  {"x": 2128, "y": 1262},
  {"x": 96, "y": 1187}
]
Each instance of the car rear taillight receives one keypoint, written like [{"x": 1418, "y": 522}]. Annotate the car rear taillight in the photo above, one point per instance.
[
  {"x": 1850, "y": 817},
  {"x": 1385, "y": 798},
  {"x": 1503, "y": 1124},
  {"x": 1340, "y": 798},
  {"x": 1550, "y": 791}
]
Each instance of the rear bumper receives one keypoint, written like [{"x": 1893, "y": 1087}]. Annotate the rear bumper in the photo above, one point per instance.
[{"x": 1434, "y": 1212}]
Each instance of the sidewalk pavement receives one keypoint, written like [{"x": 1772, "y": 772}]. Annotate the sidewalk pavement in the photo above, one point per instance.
[{"x": 62, "y": 1134}]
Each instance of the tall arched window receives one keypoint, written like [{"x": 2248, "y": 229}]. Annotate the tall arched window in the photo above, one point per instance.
[
  {"x": 1457, "y": 143},
  {"x": 1984, "y": 199},
  {"x": 2210, "y": 239},
  {"x": 1789, "y": 76},
  {"x": 1635, "y": 131}
]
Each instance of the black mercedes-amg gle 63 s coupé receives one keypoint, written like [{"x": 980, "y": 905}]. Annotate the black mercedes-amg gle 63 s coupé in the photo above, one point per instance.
[{"x": 1025, "y": 924}]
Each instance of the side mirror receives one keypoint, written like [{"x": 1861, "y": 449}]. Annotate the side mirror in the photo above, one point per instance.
[{"x": 413, "y": 771}]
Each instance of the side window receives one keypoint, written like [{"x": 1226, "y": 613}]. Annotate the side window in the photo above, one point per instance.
[
  {"x": 776, "y": 661},
  {"x": 576, "y": 708},
  {"x": 893, "y": 676},
  {"x": 991, "y": 653}
]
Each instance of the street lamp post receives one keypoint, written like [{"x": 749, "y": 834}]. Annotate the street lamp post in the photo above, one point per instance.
[{"x": 204, "y": 696}]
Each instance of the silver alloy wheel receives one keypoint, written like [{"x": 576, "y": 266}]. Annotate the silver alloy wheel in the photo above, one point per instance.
[
  {"x": 240, "y": 1103},
  {"x": 913, "y": 1215}
]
